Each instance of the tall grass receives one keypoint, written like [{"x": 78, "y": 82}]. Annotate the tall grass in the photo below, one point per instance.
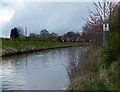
[
  {"x": 89, "y": 74},
  {"x": 0, "y": 47}
]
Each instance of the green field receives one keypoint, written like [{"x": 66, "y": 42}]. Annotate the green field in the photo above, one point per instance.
[{"x": 9, "y": 47}]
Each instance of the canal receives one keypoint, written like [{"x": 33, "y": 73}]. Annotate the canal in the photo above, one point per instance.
[{"x": 45, "y": 70}]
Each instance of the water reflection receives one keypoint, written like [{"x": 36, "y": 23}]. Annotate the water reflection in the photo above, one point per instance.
[{"x": 44, "y": 70}]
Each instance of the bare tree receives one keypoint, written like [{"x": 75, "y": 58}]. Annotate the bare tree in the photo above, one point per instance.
[
  {"x": 98, "y": 16},
  {"x": 21, "y": 32}
]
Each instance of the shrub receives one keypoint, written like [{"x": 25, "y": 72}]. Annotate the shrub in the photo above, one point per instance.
[{"x": 112, "y": 51}]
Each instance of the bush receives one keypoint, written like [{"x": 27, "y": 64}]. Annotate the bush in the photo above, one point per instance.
[{"x": 112, "y": 51}]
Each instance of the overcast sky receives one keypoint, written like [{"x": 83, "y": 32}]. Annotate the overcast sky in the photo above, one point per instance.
[{"x": 58, "y": 17}]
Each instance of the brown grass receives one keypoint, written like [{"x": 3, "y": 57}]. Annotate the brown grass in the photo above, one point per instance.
[{"x": 80, "y": 70}]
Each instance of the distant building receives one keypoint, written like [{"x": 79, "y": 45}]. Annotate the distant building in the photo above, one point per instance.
[
  {"x": 44, "y": 31},
  {"x": 33, "y": 35},
  {"x": 44, "y": 34}
]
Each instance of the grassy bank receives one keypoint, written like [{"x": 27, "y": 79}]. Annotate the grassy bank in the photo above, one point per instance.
[
  {"x": 90, "y": 73},
  {"x": 13, "y": 47},
  {"x": 98, "y": 69}
]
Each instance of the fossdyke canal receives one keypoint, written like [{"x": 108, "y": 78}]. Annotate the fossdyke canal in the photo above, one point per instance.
[{"x": 45, "y": 70}]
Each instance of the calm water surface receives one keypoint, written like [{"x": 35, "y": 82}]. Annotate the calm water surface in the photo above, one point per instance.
[{"x": 44, "y": 70}]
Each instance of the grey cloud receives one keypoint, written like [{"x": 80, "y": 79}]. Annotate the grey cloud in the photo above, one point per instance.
[{"x": 55, "y": 17}]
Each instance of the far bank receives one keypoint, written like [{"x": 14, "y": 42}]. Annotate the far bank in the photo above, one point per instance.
[{"x": 19, "y": 47}]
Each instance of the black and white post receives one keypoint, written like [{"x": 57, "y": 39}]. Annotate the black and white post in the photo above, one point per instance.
[{"x": 105, "y": 29}]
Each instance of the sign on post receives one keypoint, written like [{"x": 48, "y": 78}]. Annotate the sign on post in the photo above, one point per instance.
[{"x": 105, "y": 27}]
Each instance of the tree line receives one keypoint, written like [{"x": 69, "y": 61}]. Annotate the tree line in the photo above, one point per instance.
[{"x": 17, "y": 33}]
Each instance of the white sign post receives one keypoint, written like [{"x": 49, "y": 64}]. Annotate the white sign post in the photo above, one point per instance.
[{"x": 105, "y": 29}]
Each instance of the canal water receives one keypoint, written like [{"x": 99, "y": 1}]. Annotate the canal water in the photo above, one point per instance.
[{"x": 45, "y": 70}]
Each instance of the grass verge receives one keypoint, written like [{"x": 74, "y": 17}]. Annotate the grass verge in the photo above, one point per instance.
[
  {"x": 90, "y": 74},
  {"x": 13, "y": 47}
]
